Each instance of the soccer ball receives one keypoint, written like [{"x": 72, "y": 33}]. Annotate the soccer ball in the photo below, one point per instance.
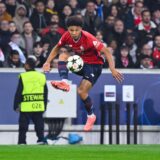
[{"x": 75, "y": 63}]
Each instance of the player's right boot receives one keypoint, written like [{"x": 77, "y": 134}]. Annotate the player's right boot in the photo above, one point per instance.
[
  {"x": 90, "y": 122},
  {"x": 61, "y": 85}
]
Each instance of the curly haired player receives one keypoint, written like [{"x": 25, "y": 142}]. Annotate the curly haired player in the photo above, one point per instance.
[{"x": 89, "y": 49}]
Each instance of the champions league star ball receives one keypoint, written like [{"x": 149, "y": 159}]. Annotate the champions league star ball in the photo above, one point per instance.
[{"x": 75, "y": 63}]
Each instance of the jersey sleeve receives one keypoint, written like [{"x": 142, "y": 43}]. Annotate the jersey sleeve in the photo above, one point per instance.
[
  {"x": 96, "y": 43},
  {"x": 63, "y": 40}
]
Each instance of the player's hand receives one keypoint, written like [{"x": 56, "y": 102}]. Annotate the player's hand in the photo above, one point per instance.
[
  {"x": 46, "y": 67},
  {"x": 117, "y": 75}
]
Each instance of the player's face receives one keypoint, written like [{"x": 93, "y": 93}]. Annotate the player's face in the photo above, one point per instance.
[{"x": 75, "y": 31}]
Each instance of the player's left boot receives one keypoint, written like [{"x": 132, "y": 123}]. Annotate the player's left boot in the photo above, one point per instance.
[
  {"x": 61, "y": 85},
  {"x": 90, "y": 122}
]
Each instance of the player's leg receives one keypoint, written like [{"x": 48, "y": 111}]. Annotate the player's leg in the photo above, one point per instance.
[
  {"x": 63, "y": 72},
  {"x": 90, "y": 75},
  {"x": 83, "y": 91}
]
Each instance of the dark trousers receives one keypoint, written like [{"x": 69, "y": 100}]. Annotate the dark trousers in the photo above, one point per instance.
[{"x": 24, "y": 120}]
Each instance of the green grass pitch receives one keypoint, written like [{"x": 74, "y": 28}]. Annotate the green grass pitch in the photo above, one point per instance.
[{"x": 80, "y": 152}]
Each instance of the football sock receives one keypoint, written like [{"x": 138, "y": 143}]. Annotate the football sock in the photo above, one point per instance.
[
  {"x": 62, "y": 69},
  {"x": 88, "y": 105}
]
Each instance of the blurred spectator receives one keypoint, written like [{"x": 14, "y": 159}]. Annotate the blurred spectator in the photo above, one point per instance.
[
  {"x": 112, "y": 44},
  {"x": 54, "y": 63},
  {"x": 28, "y": 5},
  {"x": 123, "y": 59},
  {"x": 132, "y": 46},
  {"x": 146, "y": 30},
  {"x": 92, "y": 22},
  {"x": 118, "y": 33},
  {"x": 60, "y": 4},
  {"x": 11, "y": 7},
  {"x": 156, "y": 16},
  {"x": 54, "y": 19},
  {"x": 13, "y": 60},
  {"x": 156, "y": 51},
  {"x": 40, "y": 18},
  {"x": 38, "y": 53},
  {"x": 46, "y": 48},
  {"x": 122, "y": 22},
  {"x": 50, "y": 7},
  {"x": 113, "y": 11},
  {"x": 12, "y": 27},
  {"x": 123, "y": 9},
  {"x": 4, "y": 15},
  {"x": 20, "y": 17},
  {"x": 74, "y": 5},
  {"x": 82, "y": 3},
  {"x": 53, "y": 36},
  {"x": 15, "y": 44},
  {"x": 146, "y": 63},
  {"x": 100, "y": 9},
  {"x": 152, "y": 4},
  {"x": 29, "y": 37},
  {"x": 133, "y": 18},
  {"x": 99, "y": 36},
  {"x": 66, "y": 12},
  {"x": 4, "y": 34},
  {"x": 145, "y": 52},
  {"x": 108, "y": 26},
  {"x": 2, "y": 58},
  {"x": 63, "y": 50}
]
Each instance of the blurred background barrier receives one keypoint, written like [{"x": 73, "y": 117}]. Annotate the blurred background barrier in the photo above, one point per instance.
[{"x": 146, "y": 91}]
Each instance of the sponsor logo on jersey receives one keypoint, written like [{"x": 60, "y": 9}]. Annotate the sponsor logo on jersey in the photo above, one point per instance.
[{"x": 96, "y": 43}]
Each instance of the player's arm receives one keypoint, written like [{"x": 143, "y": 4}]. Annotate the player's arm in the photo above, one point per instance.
[
  {"x": 116, "y": 74},
  {"x": 54, "y": 52}
]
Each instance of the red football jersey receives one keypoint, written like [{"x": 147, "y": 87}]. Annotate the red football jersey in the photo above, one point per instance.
[{"x": 87, "y": 47}]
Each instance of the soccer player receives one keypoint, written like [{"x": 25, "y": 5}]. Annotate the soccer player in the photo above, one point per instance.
[{"x": 89, "y": 49}]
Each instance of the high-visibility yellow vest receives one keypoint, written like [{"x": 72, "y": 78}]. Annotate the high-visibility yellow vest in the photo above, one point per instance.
[{"x": 33, "y": 91}]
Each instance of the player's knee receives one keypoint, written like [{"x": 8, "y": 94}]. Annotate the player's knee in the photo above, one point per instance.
[
  {"x": 63, "y": 57},
  {"x": 80, "y": 91}
]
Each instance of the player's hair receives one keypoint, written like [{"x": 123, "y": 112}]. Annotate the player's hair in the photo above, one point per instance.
[{"x": 74, "y": 21}]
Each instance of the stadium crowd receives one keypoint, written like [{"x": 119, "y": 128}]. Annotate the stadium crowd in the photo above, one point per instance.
[{"x": 31, "y": 28}]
